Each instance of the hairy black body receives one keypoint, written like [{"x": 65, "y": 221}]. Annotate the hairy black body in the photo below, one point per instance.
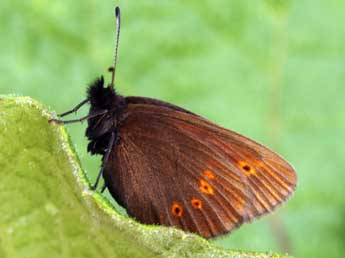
[{"x": 101, "y": 127}]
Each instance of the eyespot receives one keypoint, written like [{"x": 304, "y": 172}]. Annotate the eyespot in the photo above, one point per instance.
[
  {"x": 247, "y": 169},
  {"x": 196, "y": 203},
  {"x": 177, "y": 209},
  {"x": 205, "y": 187},
  {"x": 209, "y": 174}
]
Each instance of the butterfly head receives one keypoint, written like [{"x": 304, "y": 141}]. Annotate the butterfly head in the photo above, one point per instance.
[
  {"x": 101, "y": 97},
  {"x": 106, "y": 107}
]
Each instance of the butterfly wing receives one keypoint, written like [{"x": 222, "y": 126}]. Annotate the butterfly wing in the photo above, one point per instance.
[
  {"x": 134, "y": 100},
  {"x": 175, "y": 168}
]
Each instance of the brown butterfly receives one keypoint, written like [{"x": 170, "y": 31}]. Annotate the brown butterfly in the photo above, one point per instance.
[{"x": 169, "y": 166}]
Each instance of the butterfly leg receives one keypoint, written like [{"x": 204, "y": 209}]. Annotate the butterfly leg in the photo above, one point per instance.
[
  {"x": 78, "y": 120},
  {"x": 103, "y": 187},
  {"x": 105, "y": 160},
  {"x": 75, "y": 109}
]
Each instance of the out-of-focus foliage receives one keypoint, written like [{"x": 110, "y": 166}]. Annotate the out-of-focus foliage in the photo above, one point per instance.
[{"x": 272, "y": 70}]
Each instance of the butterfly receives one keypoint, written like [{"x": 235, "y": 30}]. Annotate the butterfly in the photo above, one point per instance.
[{"x": 169, "y": 166}]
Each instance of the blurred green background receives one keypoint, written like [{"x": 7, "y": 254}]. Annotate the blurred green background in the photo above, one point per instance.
[{"x": 271, "y": 70}]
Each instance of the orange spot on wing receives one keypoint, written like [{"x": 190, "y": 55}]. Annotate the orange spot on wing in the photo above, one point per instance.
[
  {"x": 177, "y": 209},
  {"x": 246, "y": 168},
  {"x": 209, "y": 174},
  {"x": 205, "y": 187},
  {"x": 196, "y": 203}
]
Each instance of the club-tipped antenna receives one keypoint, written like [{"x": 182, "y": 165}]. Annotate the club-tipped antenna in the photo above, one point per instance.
[{"x": 117, "y": 39}]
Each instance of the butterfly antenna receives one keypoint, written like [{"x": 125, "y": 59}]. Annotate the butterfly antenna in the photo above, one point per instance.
[{"x": 117, "y": 39}]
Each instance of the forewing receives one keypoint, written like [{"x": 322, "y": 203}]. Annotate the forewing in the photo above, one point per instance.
[
  {"x": 134, "y": 100},
  {"x": 178, "y": 169}
]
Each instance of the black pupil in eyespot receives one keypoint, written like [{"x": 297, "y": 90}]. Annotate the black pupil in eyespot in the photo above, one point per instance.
[{"x": 247, "y": 168}]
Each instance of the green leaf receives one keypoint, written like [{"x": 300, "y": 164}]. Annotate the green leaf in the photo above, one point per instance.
[{"x": 48, "y": 210}]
